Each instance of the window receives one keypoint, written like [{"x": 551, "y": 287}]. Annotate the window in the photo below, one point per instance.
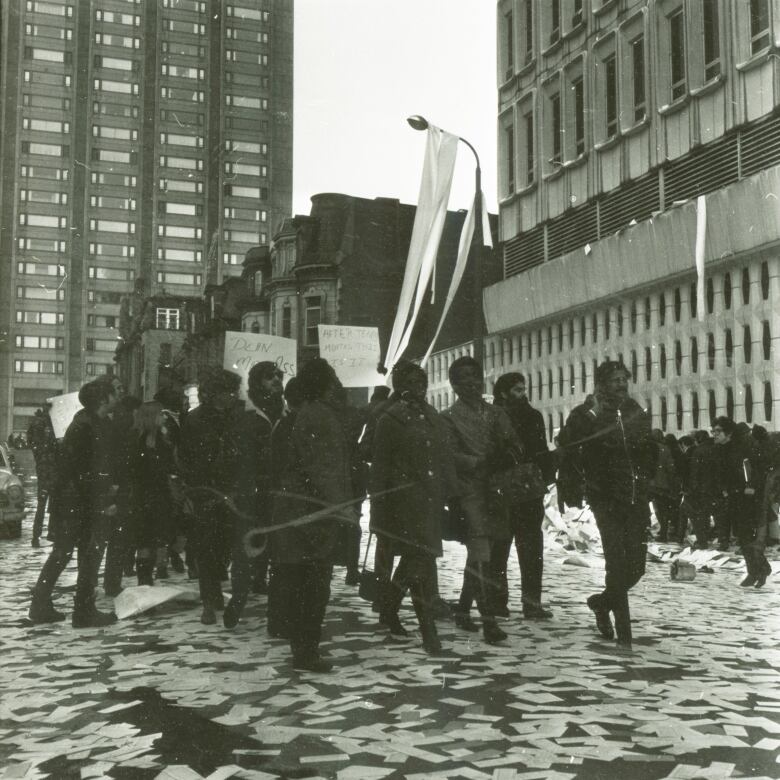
[
  {"x": 695, "y": 408},
  {"x": 764, "y": 281},
  {"x": 638, "y": 78},
  {"x": 648, "y": 313},
  {"x": 679, "y": 411},
  {"x": 710, "y": 296},
  {"x": 578, "y": 88},
  {"x": 711, "y": 404},
  {"x": 678, "y": 358},
  {"x": 167, "y": 319},
  {"x": 711, "y": 351},
  {"x": 611, "y": 95},
  {"x": 694, "y": 355},
  {"x": 677, "y": 304},
  {"x": 38, "y": 367},
  {"x": 747, "y": 343},
  {"x": 748, "y": 403},
  {"x": 766, "y": 339},
  {"x": 166, "y": 277},
  {"x": 648, "y": 364},
  {"x": 677, "y": 53},
  {"x": 509, "y": 45},
  {"x": 745, "y": 286},
  {"x": 555, "y": 21},
  {"x": 662, "y": 310},
  {"x": 40, "y": 342},
  {"x": 759, "y": 25},
  {"x": 313, "y": 319},
  {"x": 664, "y": 413},
  {"x": 727, "y": 291},
  {"x": 576, "y": 17},
  {"x": 662, "y": 361},
  {"x": 529, "y": 31},
  {"x": 768, "y": 401},
  {"x": 286, "y": 329},
  {"x": 710, "y": 13},
  {"x": 40, "y": 318},
  {"x": 509, "y": 143},
  {"x": 555, "y": 128},
  {"x": 730, "y": 402},
  {"x": 729, "y": 348},
  {"x": 529, "y": 157}
]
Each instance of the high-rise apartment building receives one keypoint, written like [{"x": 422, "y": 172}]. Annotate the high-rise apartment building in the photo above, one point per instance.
[
  {"x": 146, "y": 144},
  {"x": 631, "y": 131}
]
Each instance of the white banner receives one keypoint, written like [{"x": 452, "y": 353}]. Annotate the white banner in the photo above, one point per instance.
[
  {"x": 701, "y": 245},
  {"x": 63, "y": 410},
  {"x": 438, "y": 168},
  {"x": 243, "y": 350},
  {"x": 354, "y": 353}
]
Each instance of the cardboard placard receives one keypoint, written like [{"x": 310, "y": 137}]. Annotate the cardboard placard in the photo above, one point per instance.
[
  {"x": 63, "y": 410},
  {"x": 244, "y": 350},
  {"x": 354, "y": 353}
]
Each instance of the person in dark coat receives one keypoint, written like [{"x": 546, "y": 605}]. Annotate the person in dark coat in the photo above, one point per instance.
[
  {"x": 701, "y": 489},
  {"x": 43, "y": 442},
  {"x": 253, "y": 436},
  {"x": 665, "y": 488},
  {"x": 610, "y": 438},
  {"x": 524, "y": 511},
  {"x": 151, "y": 464},
  {"x": 412, "y": 479},
  {"x": 742, "y": 479},
  {"x": 209, "y": 456},
  {"x": 317, "y": 480},
  {"x": 484, "y": 444},
  {"x": 84, "y": 504}
]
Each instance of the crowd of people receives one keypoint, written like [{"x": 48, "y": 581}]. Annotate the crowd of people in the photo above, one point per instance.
[{"x": 270, "y": 491}]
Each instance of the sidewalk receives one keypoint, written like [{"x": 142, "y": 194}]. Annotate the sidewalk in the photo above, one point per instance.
[{"x": 163, "y": 696}]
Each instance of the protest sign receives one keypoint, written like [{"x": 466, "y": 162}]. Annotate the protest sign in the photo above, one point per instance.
[
  {"x": 63, "y": 409},
  {"x": 243, "y": 350},
  {"x": 353, "y": 351}
]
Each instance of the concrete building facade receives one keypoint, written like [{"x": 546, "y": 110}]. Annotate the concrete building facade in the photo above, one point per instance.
[
  {"x": 141, "y": 140},
  {"x": 615, "y": 116}
]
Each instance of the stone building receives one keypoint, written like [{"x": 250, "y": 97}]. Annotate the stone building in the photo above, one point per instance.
[{"x": 615, "y": 116}]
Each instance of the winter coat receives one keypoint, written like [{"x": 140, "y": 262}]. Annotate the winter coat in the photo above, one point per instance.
[
  {"x": 703, "y": 487},
  {"x": 84, "y": 484},
  {"x": 209, "y": 449},
  {"x": 252, "y": 439},
  {"x": 411, "y": 452},
  {"x": 614, "y": 453},
  {"x": 665, "y": 482},
  {"x": 739, "y": 466},
  {"x": 311, "y": 472},
  {"x": 45, "y": 449},
  {"x": 483, "y": 444},
  {"x": 152, "y": 511}
]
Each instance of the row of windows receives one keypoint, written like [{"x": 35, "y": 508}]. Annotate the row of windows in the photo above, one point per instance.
[
  {"x": 40, "y": 269},
  {"x": 40, "y": 342},
  {"x": 48, "y": 31},
  {"x": 42, "y": 244},
  {"x": 169, "y": 277},
  {"x": 245, "y": 236},
  {"x": 38, "y": 366},
  {"x": 619, "y": 78},
  {"x": 42, "y": 220},
  {"x": 47, "y": 78},
  {"x": 237, "y": 55},
  {"x": 51, "y": 9},
  {"x": 180, "y": 255},
  {"x": 101, "y": 321},
  {"x": 111, "y": 274},
  {"x": 101, "y": 345},
  {"x": 44, "y": 125},
  {"x": 245, "y": 34},
  {"x": 24, "y": 317},
  {"x": 124, "y": 41},
  {"x": 43, "y": 196},
  {"x": 99, "y": 369}
]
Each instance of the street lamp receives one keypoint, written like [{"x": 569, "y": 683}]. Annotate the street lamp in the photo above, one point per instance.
[{"x": 418, "y": 122}]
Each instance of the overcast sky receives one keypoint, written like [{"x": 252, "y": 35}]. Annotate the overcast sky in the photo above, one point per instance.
[{"x": 363, "y": 66}]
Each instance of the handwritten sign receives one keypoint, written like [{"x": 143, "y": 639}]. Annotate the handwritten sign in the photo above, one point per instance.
[
  {"x": 63, "y": 410},
  {"x": 353, "y": 351},
  {"x": 243, "y": 350}
]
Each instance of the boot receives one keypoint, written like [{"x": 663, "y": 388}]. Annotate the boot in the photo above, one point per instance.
[
  {"x": 144, "y": 567},
  {"x": 390, "y": 598},
  {"x": 233, "y": 612},
  {"x": 41, "y": 608},
  {"x": 177, "y": 564},
  {"x": 764, "y": 572},
  {"x": 44, "y": 612},
  {"x": 422, "y": 608},
  {"x": 623, "y": 624},
  {"x": 603, "y": 620},
  {"x": 491, "y": 632},
  {"x": 92, "y": 618}
]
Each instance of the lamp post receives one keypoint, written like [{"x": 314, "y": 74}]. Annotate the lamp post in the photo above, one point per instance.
[{"x": 418, "y": 122}]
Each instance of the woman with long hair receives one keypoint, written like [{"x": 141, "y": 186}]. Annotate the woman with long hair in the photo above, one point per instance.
[{"x": 152, "y": 462}]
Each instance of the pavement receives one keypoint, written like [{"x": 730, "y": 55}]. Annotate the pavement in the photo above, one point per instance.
[{"x": 161, "y": 696}]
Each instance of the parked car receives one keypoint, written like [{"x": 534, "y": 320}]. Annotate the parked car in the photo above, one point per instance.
[{"x": 11, "y": 497}]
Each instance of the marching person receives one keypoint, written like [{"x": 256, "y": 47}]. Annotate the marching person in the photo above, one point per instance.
[
  {"x": 209, "y": 455},
  {"x": 521, "y": 498},
  {"x": 412, "y": 478},
  {"x": 152, "y": 463},
  {"x": 484, "y": 444},
  {"x": 84, "y": 502},
  {"x": 610, "y": 438},
  {"x": 253, "y": 437},
  {"x": 317, "y": 479},
  {"x": 43, "y": 442}
]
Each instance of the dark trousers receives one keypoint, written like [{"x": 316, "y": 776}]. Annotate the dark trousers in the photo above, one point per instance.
[
  {"x": 666, "y": 514},
  {"x": 353, "y": 536},
  {"x": 384, "y": 560},
  {"x": 116, "y": 553},
  {"x": 529, "y": 544},
  {"x": 212, "y": 543},
  {"x": 481, "y": 585},
  {"x": 724, "y": 520},
  {"x": 279, "y": 597},
  {"x": 40, "y": 512},
  {"x": 623, "y": 530},
  {"x": 307, "y": 586}
]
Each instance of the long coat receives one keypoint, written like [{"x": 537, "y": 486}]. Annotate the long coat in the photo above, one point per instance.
[
  {"x": 315, "y": 475},
  {"x": 151, "y": 503},
  {"x": 411, "y": 452}
]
